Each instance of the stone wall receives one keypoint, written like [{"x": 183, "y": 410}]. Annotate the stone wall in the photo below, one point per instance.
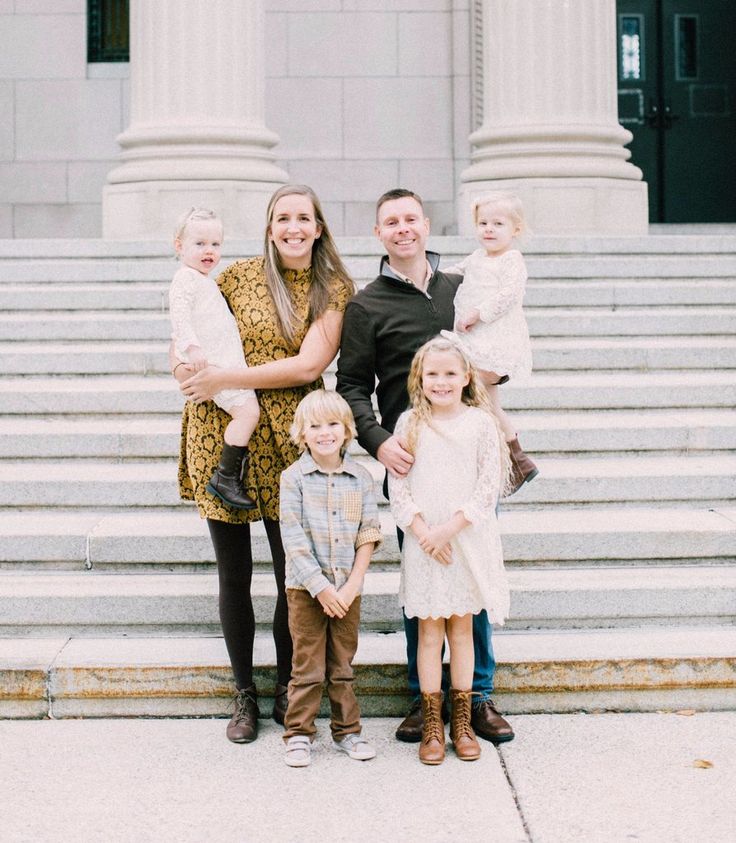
[{"x": 364, "y": 94}]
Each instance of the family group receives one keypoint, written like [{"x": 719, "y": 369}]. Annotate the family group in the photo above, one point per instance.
[{"x": 263, "y": 440}]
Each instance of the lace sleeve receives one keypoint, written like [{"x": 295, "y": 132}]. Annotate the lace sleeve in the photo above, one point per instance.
[
  {"x": 403, "y": 507},
  {"x": 181, "y": 303},
  {"x": 457, "y": 268},
  {"x": 482, "y": 503},
  {"x": 511, "y": 290}
]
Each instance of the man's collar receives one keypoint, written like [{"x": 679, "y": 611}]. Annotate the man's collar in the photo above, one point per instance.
[{"x": 433, "y": 259}]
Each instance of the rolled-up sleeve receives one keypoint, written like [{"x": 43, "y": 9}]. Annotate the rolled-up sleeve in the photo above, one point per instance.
[{"x": 370, "y": 525}]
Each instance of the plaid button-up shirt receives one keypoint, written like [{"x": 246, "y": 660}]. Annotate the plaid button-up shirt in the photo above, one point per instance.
[{"x": 325, "y": 518}]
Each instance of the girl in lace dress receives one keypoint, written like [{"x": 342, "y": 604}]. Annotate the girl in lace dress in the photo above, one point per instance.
[
  {"x": 451, "y": 563},
  {"x": 489, "y": 318},
  {"x": 205, "y": 333}
]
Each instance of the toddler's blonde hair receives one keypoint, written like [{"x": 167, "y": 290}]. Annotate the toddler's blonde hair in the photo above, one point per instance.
[
  {"x": 509, "y": 203},
  {"x": 318, "y": 406},
  {"x": 194, "y": 214},
  {"x": 474, "y": 395}
]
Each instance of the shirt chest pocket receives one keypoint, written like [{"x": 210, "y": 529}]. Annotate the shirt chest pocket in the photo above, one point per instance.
[{"x": 351, "y": 505}]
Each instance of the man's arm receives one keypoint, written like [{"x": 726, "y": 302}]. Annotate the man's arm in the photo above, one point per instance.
[{"x": 356, "y": 375}]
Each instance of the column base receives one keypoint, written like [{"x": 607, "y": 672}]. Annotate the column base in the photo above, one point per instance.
[
  {"x": 149, "y": 210},
  {"x": 568, "y": 205}
]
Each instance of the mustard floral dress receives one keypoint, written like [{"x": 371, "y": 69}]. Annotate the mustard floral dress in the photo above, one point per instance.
[{"x": 203, "y": 425}]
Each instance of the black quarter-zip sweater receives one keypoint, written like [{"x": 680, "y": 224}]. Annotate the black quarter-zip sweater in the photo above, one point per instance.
[{"x": 384, "y": 325}]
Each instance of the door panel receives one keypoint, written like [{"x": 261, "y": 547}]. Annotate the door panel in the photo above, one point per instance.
[{"x": 677, "y": 86}]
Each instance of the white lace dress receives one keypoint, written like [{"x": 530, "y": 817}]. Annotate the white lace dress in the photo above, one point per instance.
[
  {"x": 499, "y": 341},
  {"x": 200, "y": 316},
  {"x": 456, "y": 468}
]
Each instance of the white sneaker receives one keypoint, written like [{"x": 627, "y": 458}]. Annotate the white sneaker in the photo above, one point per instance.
[
  {"x": 298, "y": 751},
  {"x": 356, "y": 747}
]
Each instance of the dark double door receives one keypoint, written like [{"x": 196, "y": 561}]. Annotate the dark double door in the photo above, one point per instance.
[{"x": 677, "y": 95}]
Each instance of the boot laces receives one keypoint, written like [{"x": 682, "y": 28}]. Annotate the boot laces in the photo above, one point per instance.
[
  {"x": 243, "y": 701},
  {"x": 433, "y": 725}
]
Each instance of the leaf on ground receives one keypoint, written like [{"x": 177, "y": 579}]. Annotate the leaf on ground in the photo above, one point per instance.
[
  {"x": 686, "y": 712},
  {"x": 702, "y": 764}
]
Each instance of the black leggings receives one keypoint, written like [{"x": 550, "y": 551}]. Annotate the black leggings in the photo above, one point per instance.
[{"x": 235, "y": 570}]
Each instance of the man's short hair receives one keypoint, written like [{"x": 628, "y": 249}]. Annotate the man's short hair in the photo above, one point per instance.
[{"x": 398, "y": 193}]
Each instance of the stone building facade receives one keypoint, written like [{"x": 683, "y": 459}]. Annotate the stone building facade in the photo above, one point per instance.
[{"x": 351, "y": 96}]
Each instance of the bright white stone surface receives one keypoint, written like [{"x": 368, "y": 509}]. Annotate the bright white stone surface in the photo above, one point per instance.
[
  {"x": 425, "y": 45},
  {"x": 408, "y": 107},
  {"x": 305, "y": 113},
  {"x": 43, "y": 46},
  {"x": 317, "y": 44},
  {"x": 7, "y": 125},
  {"x": 46, "y": 124},
  {"x": 33, "y": 182},
  {"x": 68, "y": 220}
]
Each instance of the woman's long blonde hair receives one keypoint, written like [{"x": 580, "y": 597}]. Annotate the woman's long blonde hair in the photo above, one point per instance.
[
  {"x": 328, "y": 270},
  {"x": 474, "y": 395}
]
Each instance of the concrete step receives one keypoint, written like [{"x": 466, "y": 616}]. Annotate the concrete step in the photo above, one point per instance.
[
  {"x": 550, "y": 353},
  {"x": 84, "y": 358},
  {"x": 541, "y": 292},
  {"x": 543, "y": 391},
  {"x": 94, "y": 604},
  {"x": 543, "y": 322},
  {"x": 638, "y": 669},
  {"x": 663, "y": 481},
  {"x": 127, "y": 437},
  {"x": 178, "y": 539}
]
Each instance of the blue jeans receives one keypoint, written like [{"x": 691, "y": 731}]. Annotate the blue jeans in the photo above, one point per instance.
[{"x": 485, "y": 663}]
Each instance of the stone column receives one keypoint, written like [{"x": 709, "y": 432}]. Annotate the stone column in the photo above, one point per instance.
[
  {"x": 550, "y": 129},
  {"x": 197, "y": 134}
]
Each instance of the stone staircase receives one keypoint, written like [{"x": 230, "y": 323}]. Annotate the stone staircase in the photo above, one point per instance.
[{"x": 622, "y": 553}]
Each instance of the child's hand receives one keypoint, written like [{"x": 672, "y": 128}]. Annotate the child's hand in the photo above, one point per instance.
[
  {"x": 464, "y": 323},
  {"x": 348, "y": 592},
  {"x": 333, "y": 604},
  {"x": 197, "y": 360},
  {"x": 436, "y": 543}
]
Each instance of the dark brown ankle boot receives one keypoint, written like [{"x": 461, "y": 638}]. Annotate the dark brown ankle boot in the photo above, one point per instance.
[
  {"x": 462, "y": 735},
  {"x": 522, "y": 468},
  {"x": 243, "y": 725},
  {"x": 432, "y": 747},
  {"x": 226, "y": 482}
]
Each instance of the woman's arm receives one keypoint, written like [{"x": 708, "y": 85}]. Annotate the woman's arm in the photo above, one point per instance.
[{"x": 317, "y": 351}]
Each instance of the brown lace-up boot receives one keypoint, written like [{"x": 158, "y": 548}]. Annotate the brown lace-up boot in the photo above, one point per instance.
[
  {"x": 462, "y": 735},
  {"x": 523, "y": 469},
  {"x": 243, "y": 725},
  {"x": 432, "y": 747}
]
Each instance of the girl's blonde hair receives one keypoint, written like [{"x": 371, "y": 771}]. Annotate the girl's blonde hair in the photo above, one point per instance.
[
  {"x": 319, "y": 406},
  {"x": 328, "y": 270},
  {"x": 474, "y": 395},
  {"x": 195, "y": 215},
  {"x": 509, "y": 203}
]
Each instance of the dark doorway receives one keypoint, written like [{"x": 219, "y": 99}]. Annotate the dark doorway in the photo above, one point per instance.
[{"x": 676, "y": 92}]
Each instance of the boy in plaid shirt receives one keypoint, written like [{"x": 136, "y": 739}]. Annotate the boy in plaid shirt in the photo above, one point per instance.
[{"x": 330, "y": 528}]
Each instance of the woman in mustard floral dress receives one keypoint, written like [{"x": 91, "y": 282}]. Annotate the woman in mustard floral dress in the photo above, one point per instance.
[{"x": 289, "y": 306}]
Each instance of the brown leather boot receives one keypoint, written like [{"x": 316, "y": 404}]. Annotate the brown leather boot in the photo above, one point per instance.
[
  {"x": 462, "y": 735},
  {"x": 280, "y": 701},
  {"x": 243, "y": 725},
  {"x": 432, "y": 747},
  {"x": 226, "y": 482},
  {"x": 523, "y": 469}
]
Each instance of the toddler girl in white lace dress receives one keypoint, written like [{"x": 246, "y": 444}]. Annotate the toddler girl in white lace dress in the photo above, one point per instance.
[
  {"x": 489, "y": 319},
  {"x": 451, "y": 560},
  {"x": 205, "y": 333}
]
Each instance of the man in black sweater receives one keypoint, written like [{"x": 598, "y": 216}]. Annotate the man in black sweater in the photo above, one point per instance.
[{"x": 410, "y": 302}]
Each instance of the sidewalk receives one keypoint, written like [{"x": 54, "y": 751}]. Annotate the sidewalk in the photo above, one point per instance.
[{"x": 566, "y": 778}]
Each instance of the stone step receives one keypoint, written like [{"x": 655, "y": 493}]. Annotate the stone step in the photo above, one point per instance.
[
  {"x": 119, "y": 326},
  {"x": 664, "y": 481},
  {"x": 562, "y": 391},
  {"x": 127, "y": 437},
  {"x": 540, "y": 292},
  {"x": 179, "y": 540},
  {"x": 637, "y": 669},
  {"x": 550, "y": 354},
  {"x": 94, "y": 604}
]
